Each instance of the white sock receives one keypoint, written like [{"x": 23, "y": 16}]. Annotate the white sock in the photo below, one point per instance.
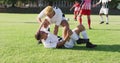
[
  {"x": 106, "y": 19},
  {"x": 101, "y": 18},
  {"x": 84, "y": 34}
]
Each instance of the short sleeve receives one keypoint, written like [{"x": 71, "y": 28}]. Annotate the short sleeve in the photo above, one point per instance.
[{"x": 42, "y": 14}]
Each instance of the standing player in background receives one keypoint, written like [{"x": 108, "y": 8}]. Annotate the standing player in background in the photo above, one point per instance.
[
  {"x": 85, "y": 9},
  {"x": 104, "y": 10},
  {"x": 76, "y": 7}
]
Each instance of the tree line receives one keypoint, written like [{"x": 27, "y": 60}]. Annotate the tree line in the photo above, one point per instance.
[{"x": 113, "y": 3}]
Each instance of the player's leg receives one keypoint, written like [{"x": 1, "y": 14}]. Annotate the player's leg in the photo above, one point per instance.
[
  {"x": 81, "y": 28},
  {"x": 101, "y": 17},
  {"x": 78, "y": 29},
  {"x": 75, "y": 15},
  {"x": 107, "y": 21},
  {"x": 65, "y": 24},
  {"x": 79, "y": 18},
  {"x": 89, "y": 21},
  {"x": 106, "y": 13}
]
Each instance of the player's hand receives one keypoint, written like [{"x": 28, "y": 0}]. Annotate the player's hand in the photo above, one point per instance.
[{"x": 70, "y": 9}]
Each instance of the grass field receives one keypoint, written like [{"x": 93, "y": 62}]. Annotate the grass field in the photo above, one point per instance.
[{"x": 18, "y": 45}]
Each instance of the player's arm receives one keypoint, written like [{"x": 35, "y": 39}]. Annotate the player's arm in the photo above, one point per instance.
[
  {"x": 67, "y": 37},
  {"x": 56, "y": 29},
  {"x": 39, "y": 28},
  {"x": 44, "y": 24},
  {"x": 39, "y": 20},
  {"x": 40, "y": 16},
  {"x": 71, "y": 8},
  {"x": 97, "y": 3},
  {"x": 82, "y": 3}
]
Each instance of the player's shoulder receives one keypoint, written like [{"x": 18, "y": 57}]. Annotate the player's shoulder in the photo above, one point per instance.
[{"x": 56, "y": 8}]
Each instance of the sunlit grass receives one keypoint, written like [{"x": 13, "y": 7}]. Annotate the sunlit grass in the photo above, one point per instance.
[{"x": 18, "y": 45}]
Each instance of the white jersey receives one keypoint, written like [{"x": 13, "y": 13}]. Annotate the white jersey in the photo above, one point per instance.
[
  {"x": 104, "y": 3},
  {"x": 70, "y": 43},
  {"x": 104, "y": 9},
  {"x": 57, "y": 18},
  {"x": 52, "y": 40}
]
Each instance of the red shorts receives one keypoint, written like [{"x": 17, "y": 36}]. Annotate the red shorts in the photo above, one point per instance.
[
  {"x": 75, "y": 12},
  {"x": 85, "y": 12}
]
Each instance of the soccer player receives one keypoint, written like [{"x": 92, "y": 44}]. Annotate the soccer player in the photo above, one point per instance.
[
  {"x": 53, "y": 15},
  {"x": 76, "y": 7},
  {"x": 52, "y": 41},
  {"x": 50, "y": 3},
  {"x": 104, "y": 10},
  {"x": 85, "y": 9}
]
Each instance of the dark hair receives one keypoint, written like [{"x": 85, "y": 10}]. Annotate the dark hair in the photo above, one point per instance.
[{"x": 37, "y": 36}]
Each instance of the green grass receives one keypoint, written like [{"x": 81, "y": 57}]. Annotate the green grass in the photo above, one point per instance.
[{"x": 18, "y": 45}]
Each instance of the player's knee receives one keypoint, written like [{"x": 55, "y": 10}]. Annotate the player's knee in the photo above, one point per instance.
[
  {"x": 65, "y": 24},
  {"x": 81, "y": 27},
  {"x": 66, "y": 28}
]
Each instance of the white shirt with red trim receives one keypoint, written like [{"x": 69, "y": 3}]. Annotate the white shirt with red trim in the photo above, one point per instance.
[{"x": 87, "y": 5}]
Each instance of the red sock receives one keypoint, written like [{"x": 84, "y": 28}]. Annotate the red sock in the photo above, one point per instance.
[
  {"x": 89, "y": 23},
  {"x": 80, "y": 20}
]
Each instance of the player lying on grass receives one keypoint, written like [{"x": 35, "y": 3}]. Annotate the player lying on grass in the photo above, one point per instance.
[{"x": 50, "y": 40}]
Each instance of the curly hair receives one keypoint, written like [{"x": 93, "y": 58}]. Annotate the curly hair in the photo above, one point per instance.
[
  {"x": 37, "y": 36},
  {"x": 49, "y": 10}
]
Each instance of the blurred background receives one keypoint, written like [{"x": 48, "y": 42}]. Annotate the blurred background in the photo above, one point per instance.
[{"x": 35, "y": 6}]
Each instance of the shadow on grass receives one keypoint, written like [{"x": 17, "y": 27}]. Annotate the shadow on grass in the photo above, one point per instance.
[
  {"x": 107, "y": 48},
  {"x": 107, "y": 29}
]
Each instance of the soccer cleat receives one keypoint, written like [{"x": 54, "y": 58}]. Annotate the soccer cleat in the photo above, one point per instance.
[
  {"x": 90, "y": 28},
  {"x": 75, "y": 19},
  {"x": 101, "y": 22},
  {"x": 82, "y": 41},
  {"x": 90, "y": 45},
  {"x": 107, "y": 23}
]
